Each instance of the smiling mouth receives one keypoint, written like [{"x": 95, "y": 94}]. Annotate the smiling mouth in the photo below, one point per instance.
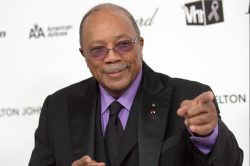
[
  {"x": 116, "y": 74},
  {"x": 115, "y": 68}
]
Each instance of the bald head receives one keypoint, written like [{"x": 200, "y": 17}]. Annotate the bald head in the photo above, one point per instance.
[{"x": 106, "y": 7}]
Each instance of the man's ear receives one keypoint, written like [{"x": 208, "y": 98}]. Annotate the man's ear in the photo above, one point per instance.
[
  {"x": 141, "y": 41},
  {"x": 81, "y": 51}
]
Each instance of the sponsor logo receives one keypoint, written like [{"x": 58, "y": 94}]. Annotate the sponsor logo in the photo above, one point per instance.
[
  {"x": 36, "y": 32},
  {"x": 2, "y": 34},
  {"x": 148, "y": 21},
  {"x": 51, "y": 31},
  {"x": 17, "y": 112},
  {"x": 204, "y": 12},
  {"x": 231, "y": 98}
]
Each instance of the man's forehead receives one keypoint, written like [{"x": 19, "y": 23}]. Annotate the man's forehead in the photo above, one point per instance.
[
  {"x": 108, "y": 18},
  {"x": 107, "y": 23},
  {"x": 108, "y": 11}
]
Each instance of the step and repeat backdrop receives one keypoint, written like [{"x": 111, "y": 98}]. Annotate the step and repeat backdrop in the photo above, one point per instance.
[{"x": 201, "y": 40}]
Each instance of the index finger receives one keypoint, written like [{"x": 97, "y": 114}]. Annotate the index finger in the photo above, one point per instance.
[
  {"x": 205, "y": 97},
  {"x": 82, "y": 161},
  {"x": 86, "y": 159}
]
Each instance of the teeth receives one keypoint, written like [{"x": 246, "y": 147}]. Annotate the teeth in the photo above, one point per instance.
[{"x": 113, "y": 68}]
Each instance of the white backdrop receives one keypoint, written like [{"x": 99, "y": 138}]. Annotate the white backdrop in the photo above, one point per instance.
[{"x": 39, "y": 55}]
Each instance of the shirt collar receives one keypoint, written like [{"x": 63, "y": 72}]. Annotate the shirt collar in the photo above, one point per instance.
[{"x": 126, "y": 99}]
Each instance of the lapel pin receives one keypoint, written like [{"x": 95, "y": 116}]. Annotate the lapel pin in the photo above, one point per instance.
[{"x": 152, "y": 110}]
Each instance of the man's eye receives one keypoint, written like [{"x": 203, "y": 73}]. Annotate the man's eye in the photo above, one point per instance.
[
  {"x": 125, "y": 42},
  {"x": 97, "y": 48}
]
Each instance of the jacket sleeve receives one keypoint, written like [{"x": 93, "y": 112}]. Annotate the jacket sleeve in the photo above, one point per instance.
[{"x": 226, "y": 150}]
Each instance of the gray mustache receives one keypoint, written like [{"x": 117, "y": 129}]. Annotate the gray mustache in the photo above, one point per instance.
[{"x": 112, "y": 68}]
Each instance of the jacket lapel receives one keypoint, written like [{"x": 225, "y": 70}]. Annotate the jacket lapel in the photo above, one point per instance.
[
  {"x": 155, "y": 101},
  {"x": 82, "y": 108}
]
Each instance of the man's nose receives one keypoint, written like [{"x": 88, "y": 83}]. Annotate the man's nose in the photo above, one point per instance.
[{"x": 111, "y": 56}]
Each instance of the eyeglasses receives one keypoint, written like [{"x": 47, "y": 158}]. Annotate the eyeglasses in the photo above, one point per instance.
[{"x": 120, "y": 48}]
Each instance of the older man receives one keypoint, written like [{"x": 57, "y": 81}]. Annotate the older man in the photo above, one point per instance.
[{"x": 127, "y": 114}]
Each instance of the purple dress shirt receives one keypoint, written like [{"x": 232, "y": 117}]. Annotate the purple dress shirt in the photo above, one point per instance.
[
  {"x": 204, "y": 144},
  {"x": 126, "y": 100}
]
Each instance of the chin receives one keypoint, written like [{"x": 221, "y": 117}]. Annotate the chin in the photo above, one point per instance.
[{"x": 117, "y": 87}]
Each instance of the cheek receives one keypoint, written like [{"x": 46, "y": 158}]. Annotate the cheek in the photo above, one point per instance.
[
  {"x": 137, "y": 62},
  {"x": 93, "y": 67},
  {"x": 135, "y": 58}
]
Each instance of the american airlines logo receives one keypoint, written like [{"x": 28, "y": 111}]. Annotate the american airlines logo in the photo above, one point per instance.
[
  {"x": 51, "y": 31},
  {"x": 204, "y": 12}
]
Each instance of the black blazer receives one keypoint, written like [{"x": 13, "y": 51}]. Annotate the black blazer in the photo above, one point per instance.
[{"x": 66, "y": 128}]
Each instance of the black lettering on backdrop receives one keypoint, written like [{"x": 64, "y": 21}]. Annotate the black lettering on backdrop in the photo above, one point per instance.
[
  {"x": 55, "y": 34},
  {"x": 9, "y": 112},
  {"x": 36, "y": 32},
  {"x": 51, "y": 31},
  {"x": 147, "y": 21},
  {"x": 231, "y": 98},
  {"x": 204, "y": 12},
  {"x": 2, "y": 34},
  {"x": 31, "y": 111},
  {"x": 62, "y": 30},
  {"x": 19, "y": 112}
]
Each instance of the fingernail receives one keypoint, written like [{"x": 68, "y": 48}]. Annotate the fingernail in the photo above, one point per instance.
[
  {"x": 186, "y": 122},
  {"x": 192, "y": 128}
]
